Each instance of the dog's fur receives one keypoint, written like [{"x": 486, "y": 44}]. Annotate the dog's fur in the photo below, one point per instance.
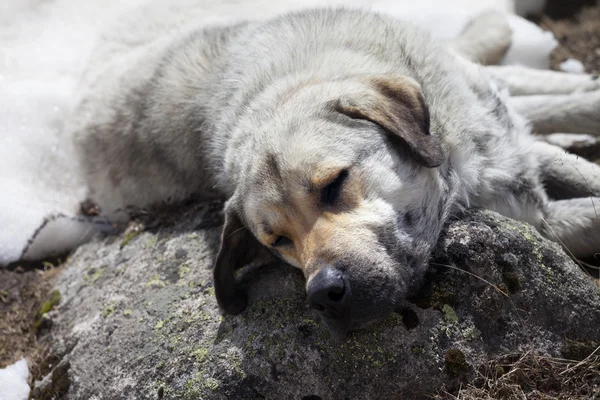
[{"x": 338, "y": 137}]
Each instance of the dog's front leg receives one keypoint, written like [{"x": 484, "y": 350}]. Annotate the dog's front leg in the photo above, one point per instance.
[
  {"x": 523, "y": 81},
  {"x": 576, "y": 113},
  {"x": 573, "y": 217},
  {"x": 566, "y": 175}
]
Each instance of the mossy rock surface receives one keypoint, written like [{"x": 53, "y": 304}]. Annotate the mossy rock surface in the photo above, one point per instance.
[{"x": 168, "y": 339}]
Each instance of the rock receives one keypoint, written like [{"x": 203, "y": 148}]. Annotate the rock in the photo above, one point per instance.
[{"x": 143, "y": 321}]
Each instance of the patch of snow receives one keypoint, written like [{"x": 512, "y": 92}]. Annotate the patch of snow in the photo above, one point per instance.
[
  {"x": 531, "y": 45},
  {"x": 60, "y": 233},
  {"x": 573, "y": 66},
  {"x": 13, "y": 381},
  {"x": 443, "y": 19}
]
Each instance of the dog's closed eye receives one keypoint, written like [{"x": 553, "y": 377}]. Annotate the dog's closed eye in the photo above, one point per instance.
[
  {"x": 331, "y": 192},
  {"x": 282, "y": 241}
]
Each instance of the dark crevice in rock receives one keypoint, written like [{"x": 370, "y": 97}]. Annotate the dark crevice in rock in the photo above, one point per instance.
[{"x": 410, "y": 320}]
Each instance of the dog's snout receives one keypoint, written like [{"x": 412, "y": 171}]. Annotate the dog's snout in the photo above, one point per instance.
[{"x": 327, "y": 292}]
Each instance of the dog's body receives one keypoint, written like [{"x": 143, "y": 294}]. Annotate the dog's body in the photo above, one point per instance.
[{"x": 342, "y": 141}]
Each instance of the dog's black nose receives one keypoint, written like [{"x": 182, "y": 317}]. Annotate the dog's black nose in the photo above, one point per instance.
[{"x": 327, "y": 292}]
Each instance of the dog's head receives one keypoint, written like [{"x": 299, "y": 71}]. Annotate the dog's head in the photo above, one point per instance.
[{"x": 338, "y": 179}]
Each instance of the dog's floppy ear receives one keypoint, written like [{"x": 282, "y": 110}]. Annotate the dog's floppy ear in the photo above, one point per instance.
[
  {"x": 397, "y": 104},
  {"x": 238, "y": 248}
]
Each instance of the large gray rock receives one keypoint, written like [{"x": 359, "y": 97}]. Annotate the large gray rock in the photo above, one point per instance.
[{"x": 138, "y": 319}]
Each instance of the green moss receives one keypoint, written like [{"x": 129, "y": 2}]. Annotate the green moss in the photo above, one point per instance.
[
  {"x": 200, "y": 354},
  {"x": 449, "y": 314},
  {"x": 196, "y": 387},
  {"x": 191, "y": 390},
  {"x": 183, "y": 270},
  {"x": 49, "y": 304},
  {"x": 48, "y": 265},
  {"x": 500, "y": 371},
  {"x": 174, "y": 340},
  {"x": 151, "y": 242},
  {"x": 129, "y": 236},
  {"x": 212, "y": 383},
  {"x": 527, "y": 232},
  {"x": 456, "y": 362},
  {"x": 200, "y": 315},
  {"x": 155, "y": 281},
  {"x": 108, "y": 310},
  {"x": 52, "y": 301},
  {"x": 127, "y": 312},
  {"x": 236, "y": 362},
  {"x": 471, "y": 333},
  {"x": 311, "y": 322},
  {"x": 95, "y": 275},
  {"x": 160, "y": 324}
]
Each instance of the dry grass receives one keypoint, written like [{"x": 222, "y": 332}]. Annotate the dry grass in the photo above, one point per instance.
[
  {"x": 534, "y": 377},
  {"x": 22, "y": 295}
]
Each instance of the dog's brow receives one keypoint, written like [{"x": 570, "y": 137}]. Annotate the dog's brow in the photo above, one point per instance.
[
  {"x": 324, "y": 177},
  {"x": 307, "y": 185},
  {"x": 264, "y": 227}
]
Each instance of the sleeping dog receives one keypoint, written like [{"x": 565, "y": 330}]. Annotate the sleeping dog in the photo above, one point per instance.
[{"x": 341, "y": 140}]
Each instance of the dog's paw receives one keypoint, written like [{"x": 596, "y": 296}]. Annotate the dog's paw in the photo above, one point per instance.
[{"x": 590, "y": 83}]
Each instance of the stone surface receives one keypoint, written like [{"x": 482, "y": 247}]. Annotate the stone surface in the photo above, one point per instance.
[{"x": 138, "y": 319}]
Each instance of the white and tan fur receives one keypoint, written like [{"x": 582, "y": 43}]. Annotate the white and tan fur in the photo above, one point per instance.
[{"x": 271, "y": 115}]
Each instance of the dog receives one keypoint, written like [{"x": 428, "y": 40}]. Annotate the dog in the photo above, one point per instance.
[{"x": 342, "y": 141}]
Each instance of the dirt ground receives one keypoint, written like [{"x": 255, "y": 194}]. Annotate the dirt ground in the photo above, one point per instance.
[
  {"x": 25, "y": 290},
  {"x": 578, "y": 38}
]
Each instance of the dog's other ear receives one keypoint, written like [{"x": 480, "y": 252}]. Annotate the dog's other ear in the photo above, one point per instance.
[
  {"x": 397, "y": 104},
  {"x": 238, "y": 248}
]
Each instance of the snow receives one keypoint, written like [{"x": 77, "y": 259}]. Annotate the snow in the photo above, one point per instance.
[
  {"x": 573, "y": 66},
  {"x": 531, "y": 45},
  {"x": 45, "y": 45},
  {"x": 13, "y": 381}
]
